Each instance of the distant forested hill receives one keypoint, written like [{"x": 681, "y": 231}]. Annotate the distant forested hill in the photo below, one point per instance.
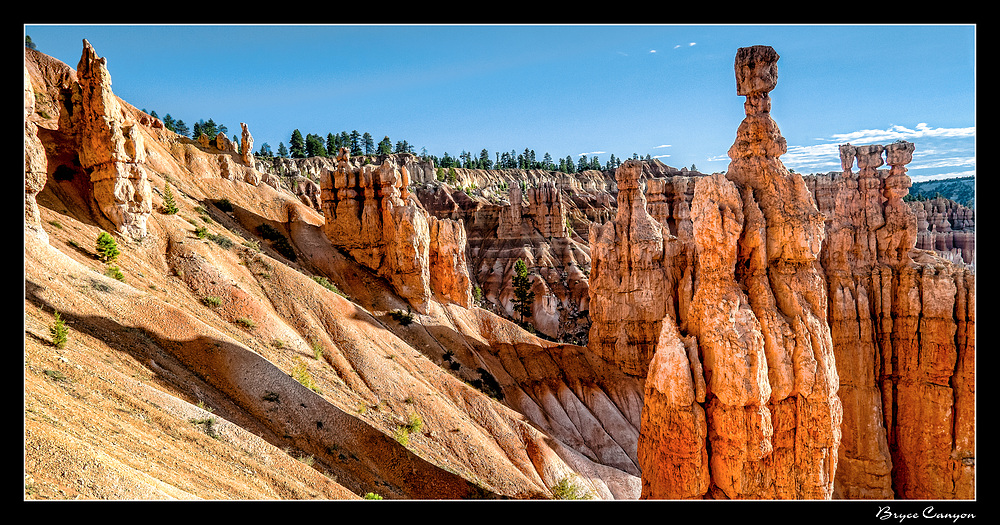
[{"x": 961, "y": 190}]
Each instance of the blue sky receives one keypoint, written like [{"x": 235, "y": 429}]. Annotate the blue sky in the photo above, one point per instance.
[{"x": 664, "y": 90}]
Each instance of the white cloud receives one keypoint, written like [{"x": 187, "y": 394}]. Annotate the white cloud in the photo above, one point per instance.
[
  {"x": 591, "y": 153},
  {"x": 815, "y": 156},
  {"x": 945, "y": 162},
  {"x": 940, "y": 152},
  {"x": 691, "y": 44},
  {"x": 662, "y": 146},
  {"x": 896, "y": 132},
  {"x": 652, "y": 51},
  {"x": 660, "y": 156}
]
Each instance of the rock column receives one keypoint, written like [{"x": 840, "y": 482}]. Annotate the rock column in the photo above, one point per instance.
[
  {"x": 629, "y": 285},
  {"x": 758, "y": 354},
  {"x": 371, "y": 214},
  {"x": 111, "y": 150}
]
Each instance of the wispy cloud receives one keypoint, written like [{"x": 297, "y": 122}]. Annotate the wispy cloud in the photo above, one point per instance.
[
  {"x": 662, "y": 146},
  {"x": 940, "y": 153},
  {"x": 682, "y": 45},
  {"x": 591, "y": 153},
  {"x": 895, "y": 132},
  {"x": 818, "y": 157}
]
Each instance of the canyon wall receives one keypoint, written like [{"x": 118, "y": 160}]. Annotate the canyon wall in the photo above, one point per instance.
[{"x": 903, "y": 323}]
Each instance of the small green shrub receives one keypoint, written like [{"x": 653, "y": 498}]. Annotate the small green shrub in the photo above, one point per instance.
[
  {"x": 414, "y": 422},
  {"x": 224, "y": 205},
  {"x": 169, "y": 205},
  {"x": 487, "y": 384},
  {"x": 115, "y": 273},
  {"x": 402, "y": 436},
  {"x": 569, "y": 488},
  {"x": 107, "y": 248},
  {"x": 372, "y": 495},
  {"x": 59, "y": 332},
  {"x": 221, "y": 240},
  {"x": 207, "y": 424},
  {"x": 278, "y": 240},
  {"x": 56, "y": 375},
  {"x": 401, "y": 317},
  {"x": 211, "y": 301},
  {"x": 246, "y": 323},
  {"x": 300, "y": 372},
  {"x": 325, "y": 283},
  {"x": 201, "y": 232}
]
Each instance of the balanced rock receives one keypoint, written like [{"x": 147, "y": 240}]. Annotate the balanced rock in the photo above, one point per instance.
[{"x": 763, "y": 373}]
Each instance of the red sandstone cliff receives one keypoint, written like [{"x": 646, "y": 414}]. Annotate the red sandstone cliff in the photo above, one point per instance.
[{"x": 903, "y": 323}]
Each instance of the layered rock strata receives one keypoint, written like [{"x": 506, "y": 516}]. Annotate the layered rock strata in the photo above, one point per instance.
[
  {"x": 111, "y": 149},
  {"x": 371, "y": 214},
  {"x": 766, "y": 423},
  {"x": 903, "y": 324},
  {"x": 946, "y": 227},
  {"x": 541, "y": 210}
]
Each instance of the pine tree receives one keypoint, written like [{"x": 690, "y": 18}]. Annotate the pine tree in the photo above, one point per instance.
[
  {"x": 282, "y": 150},
  {"x": 385, "y": 147},
  {"x": 314, "y": 146},
  {"x": 297, "y": 145},
  {"x": 59, "y": 332},
  {"x": 181, "y": 128},
  {"x": 523, "y": 296},
  {"x": 168, "y": 199},
  {"x": 331, "y": 144},
  {"x": 107, "y": 247},
  {"x": 368, "y": 143},
  {"x": 356, "y": 143}
]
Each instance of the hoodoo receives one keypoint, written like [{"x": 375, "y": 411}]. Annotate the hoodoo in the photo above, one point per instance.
[{"x": 766, "y": 423}]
